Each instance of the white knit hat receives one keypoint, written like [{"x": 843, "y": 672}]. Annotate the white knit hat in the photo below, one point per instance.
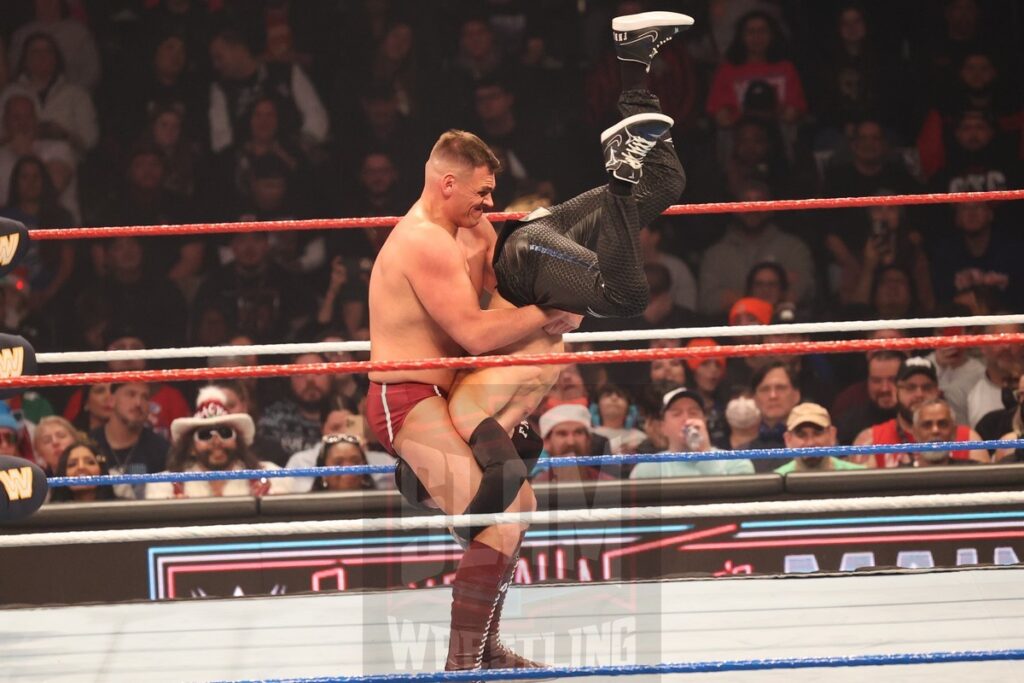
[
  {"x": 565, "y": 412},
  {"x": 211, "y": 411}
]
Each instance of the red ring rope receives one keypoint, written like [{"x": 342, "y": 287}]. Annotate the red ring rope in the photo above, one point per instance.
[
  {"x": 617, "y": 356},
  {"x": 387, "y": 221}
]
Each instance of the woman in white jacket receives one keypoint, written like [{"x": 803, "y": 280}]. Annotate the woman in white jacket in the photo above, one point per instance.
[{"x": 66, "y": 111}]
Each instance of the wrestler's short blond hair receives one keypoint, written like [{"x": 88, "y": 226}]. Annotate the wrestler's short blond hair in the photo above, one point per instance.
[{"x": 462, "y": 147}]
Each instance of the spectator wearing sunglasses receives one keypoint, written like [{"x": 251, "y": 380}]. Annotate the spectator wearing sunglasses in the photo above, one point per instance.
[
  {"x": 342, "y": 450},
  {"x": 215, "y": 440}
]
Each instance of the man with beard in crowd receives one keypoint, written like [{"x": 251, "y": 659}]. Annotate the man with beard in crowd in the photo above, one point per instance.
[
  {"x": 809, "y": 425},
  {"x": 295, "y": 422},
  {"x": 214, "y": 440},
  {"x": 883, "y": 366},
  {"x": 126, "y": 440},
  {"x": 916, "y": 382}
]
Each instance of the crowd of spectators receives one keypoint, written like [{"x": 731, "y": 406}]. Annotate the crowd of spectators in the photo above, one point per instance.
[{"x": 144, "y": 112}]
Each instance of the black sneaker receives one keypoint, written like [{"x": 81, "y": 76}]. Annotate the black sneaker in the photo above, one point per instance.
[
  {"x": 638, "y": 36},
  {"x": 627, "y": 143}
]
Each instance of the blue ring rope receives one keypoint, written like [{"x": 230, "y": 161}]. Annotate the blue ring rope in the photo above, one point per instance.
[
  {"x": 565, "y": 461},
  {"x": 673, "y": 668}
]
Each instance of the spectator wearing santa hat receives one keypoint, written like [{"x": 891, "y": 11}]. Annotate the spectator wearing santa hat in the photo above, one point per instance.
[
  {"x": 567, "y": 432},
  {"x": 215, "y": 439}
]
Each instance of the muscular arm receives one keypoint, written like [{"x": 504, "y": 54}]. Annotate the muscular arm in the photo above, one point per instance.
[{"x": 439, "y": 279}]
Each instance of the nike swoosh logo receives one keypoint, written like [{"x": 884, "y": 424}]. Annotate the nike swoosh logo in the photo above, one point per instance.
[
  {"x": 614, "y": 143},
  {"x": 652, "y": 36}
]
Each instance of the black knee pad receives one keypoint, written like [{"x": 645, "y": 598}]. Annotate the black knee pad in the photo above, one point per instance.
[
  {"x": 504, "y": 472},
  {"x": 528, "y": 444},
  {"x": 411, "y": 488}
]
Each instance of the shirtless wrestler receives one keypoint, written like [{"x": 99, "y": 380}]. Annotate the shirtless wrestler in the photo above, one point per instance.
[{"x": 424, "y": 302}]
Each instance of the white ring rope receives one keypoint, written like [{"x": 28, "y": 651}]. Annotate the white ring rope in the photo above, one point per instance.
[
  {"x": 202, "y": 352},
  {"x": 577, "y": 337},
  {"x": 825, "y": 505}
]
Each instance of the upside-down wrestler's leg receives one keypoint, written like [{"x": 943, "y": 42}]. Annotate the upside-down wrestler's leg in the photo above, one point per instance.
[{"x": 584, "y": 255}]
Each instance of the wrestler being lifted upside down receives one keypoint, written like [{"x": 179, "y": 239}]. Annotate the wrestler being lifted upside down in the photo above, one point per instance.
[{"x": 581, "y": 257}]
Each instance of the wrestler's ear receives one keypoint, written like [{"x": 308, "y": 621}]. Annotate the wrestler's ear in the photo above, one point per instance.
[{"x": 448, "y": 182}]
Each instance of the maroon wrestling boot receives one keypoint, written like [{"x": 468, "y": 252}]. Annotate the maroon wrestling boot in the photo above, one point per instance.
[
  {"x": 476, "y": 592},
  {"x": 478, "y": 596},
  {"x": 496, "y": 654}
]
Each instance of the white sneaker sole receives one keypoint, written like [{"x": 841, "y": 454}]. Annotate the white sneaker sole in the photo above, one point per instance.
[
  {"x": 635, "y": 118},
  {"x": 634, "y": 22}
]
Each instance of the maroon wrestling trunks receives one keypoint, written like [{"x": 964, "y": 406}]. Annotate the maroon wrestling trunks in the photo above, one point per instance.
[{"x": 387, "y": 406}]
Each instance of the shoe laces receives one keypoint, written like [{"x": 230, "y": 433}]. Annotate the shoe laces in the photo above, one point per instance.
[{"x": 636, "y": 148}]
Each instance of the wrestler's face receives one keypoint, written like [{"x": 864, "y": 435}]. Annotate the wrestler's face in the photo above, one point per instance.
[{"x": 472, "y": 196}]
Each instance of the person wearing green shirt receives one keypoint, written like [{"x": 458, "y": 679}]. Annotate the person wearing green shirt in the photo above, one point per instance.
[{"x": 809, "y": 425}]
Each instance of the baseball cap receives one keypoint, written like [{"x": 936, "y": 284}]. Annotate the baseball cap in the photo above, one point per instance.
[
  {"x": 7, "y": 419},
  {"x": 808, "y": 413},
  {"x": 917, "y": 365},
  {"x": 759, "y": 308},
  {"x": 565, "y": 412},
  {"x": 695, "y": 363},
  {"x": 682, "y": 392}
]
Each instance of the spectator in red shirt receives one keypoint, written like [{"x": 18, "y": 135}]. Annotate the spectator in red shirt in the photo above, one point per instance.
[
  {"x": 934, "y": 422},
  {"x": 916, "y": 384},
  {"x": 756, "y": 55}
]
